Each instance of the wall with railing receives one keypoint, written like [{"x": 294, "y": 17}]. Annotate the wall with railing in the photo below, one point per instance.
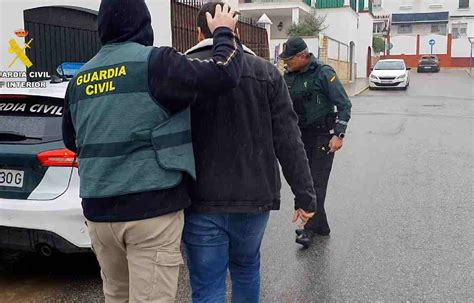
[
  {"x": 451, "y": 52},
  {"x": 329, "y": 3},
  {"x": 336, "y": 54}
]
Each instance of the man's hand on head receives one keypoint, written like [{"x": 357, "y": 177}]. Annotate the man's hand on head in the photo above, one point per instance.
[{"x": 224, "y": 17}]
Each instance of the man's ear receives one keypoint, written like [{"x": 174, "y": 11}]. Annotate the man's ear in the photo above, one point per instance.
[{"x": 200, "y": 35}]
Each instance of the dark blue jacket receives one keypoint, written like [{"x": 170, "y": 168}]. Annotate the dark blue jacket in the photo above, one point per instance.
[{"x": 240, "y": 135}]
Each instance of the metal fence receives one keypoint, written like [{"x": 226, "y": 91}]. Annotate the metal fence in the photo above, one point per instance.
[
  {"x": 184, "y": 32},
  {"x": 338, "y": 50},
  {"x": 60, "y": 34}
]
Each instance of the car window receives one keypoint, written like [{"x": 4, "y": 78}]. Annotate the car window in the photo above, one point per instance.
[
  {"x": 389, "y": 65},
  {"x": 429, "y": 58},
  {"x": 30, "y": 119}
]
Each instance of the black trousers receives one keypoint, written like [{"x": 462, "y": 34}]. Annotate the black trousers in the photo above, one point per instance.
[{"x": 320, "y": 163}]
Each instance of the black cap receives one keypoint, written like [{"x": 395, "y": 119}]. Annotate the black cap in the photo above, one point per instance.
[{"x": 292, "y": 47}]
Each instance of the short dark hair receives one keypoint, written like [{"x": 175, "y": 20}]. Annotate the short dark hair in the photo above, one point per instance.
[{"x": 209, "y": 7}]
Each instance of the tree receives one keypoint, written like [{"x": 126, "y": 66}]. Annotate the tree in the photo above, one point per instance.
[
  {"x": 378, "y": 44},
  {"x": 310, "y": 26}
]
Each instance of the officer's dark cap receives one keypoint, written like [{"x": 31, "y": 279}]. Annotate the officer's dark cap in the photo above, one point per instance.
[{"x": 292, "y": 47}]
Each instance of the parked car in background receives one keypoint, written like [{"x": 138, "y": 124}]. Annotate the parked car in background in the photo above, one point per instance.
[
  {"x": 428, "y": 63},
  {"x": 391, "y": 73}
]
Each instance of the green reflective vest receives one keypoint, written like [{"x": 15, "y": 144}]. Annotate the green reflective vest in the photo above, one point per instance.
[
  {"x": 127, "y": 142},
  {"x": 310, "y": 101}
]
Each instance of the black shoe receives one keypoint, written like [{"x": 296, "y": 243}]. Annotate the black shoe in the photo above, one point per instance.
[
  {"x": 299, "y": 232},
  {"x": 305, "y": 238}
]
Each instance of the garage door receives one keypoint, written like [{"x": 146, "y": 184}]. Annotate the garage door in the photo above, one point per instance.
[{"x": 61, "y": 34}]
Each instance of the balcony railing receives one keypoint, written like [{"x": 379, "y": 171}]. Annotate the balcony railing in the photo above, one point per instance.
[
  {"x": 329, "y": 3},
  {"x": 321, "y": 4},
  {"x": 308, "y": 2}
]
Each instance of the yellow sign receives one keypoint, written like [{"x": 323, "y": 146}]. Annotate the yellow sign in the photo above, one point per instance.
[
  {"x": 92, "y": 78},
  {"x": 20, "y": 53}
]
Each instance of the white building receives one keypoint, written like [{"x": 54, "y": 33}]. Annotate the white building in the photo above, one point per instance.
[
  {"x": 413, "y": 25},
  {"x": 349, "y": 25},
  {"x": 412, "y": 17}
]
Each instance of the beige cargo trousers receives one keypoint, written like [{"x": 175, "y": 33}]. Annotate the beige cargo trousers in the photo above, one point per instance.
[{"x": 139, "y": 260}]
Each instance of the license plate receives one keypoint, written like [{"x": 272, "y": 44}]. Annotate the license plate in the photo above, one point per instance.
[
  {"x": 427, "y": 67},
  {"x": 11, "y": 178},
  {"x": 386, "y": 81}
]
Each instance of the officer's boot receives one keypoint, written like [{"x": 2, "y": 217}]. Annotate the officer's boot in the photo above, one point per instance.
[
  {"x": 319, "y": 232},
  {"x": 299, "y": 231},
  {"x": 305, "y": 237}
]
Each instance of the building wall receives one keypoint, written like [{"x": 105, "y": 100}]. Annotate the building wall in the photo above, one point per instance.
[
  {"x": 403, "y": 45},
  {"x": 451, "y": 58},
  {"x": 427, "y": 6},
  {"x": 406, "y": 44},
  {"x": 419, "y": 45},
  {"x": 468, "y": 20},
  {"x": 424, "y": 6},
  {"x": 364, "y": 37},
  {"x": 11, "y": 19},
  {"x": 275, "y": 33},
  {"x": 417, "y": 29},
  {"x": 440, "y": 47},
  {"x": 337, "y": 51},
  {"x": 344, "y": 32},
  {"x": 343, "y": 24},
  {"x": 356, "y": 28},
  {"x": 342, "y": 69},
  {"x": 461, "y": 47}
]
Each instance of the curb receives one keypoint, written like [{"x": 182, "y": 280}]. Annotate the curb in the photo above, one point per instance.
[{"x": 360, "y": 91}]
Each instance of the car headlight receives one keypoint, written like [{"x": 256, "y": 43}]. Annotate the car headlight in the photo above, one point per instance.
[
  {"x": 402, "y": 76},
  {"x": 373, "y": 77}
]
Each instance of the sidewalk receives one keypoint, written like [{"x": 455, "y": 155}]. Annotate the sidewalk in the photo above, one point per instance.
[{"x": 356, "y": 87}]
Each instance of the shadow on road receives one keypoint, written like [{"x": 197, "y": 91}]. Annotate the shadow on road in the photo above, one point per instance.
[
  {"x": 15, "y": 263},
  {"x": 28, "y": 277}
]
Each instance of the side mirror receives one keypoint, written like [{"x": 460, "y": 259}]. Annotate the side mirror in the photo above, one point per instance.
[
  {"x": 371, "y": 68},
  {"x": 408, "y": 68}
]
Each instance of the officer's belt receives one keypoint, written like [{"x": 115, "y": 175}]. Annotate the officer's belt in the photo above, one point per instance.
[{"x": 316, "y": 129}]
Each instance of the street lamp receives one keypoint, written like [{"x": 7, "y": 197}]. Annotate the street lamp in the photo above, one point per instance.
[{"x": 280, "y": 26}]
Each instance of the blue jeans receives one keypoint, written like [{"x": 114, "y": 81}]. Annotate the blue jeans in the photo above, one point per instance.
[{"x": 217, "y": 242}]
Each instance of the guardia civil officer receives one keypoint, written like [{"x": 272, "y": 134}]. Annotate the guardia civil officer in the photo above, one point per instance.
[
  {"x": 127, "y": 117},
  {"x": 324, "y": 110}
]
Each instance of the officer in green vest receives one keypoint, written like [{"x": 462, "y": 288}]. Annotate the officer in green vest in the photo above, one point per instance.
[
  {"x": 324, "y": 110},
  {"x": 127, "y": 117}
]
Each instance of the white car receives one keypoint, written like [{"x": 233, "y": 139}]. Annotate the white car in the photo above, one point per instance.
[
  {"x": 390, "y": 74},
  {"x": 40, "y": 208}
]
